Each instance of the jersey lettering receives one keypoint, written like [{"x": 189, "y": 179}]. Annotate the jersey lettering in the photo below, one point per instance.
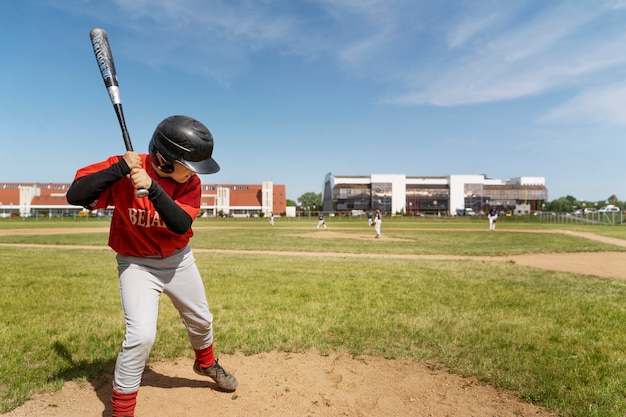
[
  {"x": 156, "y": 220},
  {"x": 142, "y": 218}
]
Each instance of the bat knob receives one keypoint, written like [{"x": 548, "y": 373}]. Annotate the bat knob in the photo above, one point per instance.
[{"x": 141, "y": 193}]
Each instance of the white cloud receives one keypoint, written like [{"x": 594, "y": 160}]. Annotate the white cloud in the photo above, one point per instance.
[
  {"x": 604, "y": 105},
  {"x": 424, "y": 53},
  {"x": 468, "y": 28},
  {"x": 562, "y": 48}
]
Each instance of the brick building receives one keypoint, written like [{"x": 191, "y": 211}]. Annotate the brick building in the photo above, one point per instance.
[{"x": 48, "y": 199}]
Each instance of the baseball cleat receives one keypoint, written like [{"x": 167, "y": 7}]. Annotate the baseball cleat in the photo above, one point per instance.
[{"x": 225, "y": 381}]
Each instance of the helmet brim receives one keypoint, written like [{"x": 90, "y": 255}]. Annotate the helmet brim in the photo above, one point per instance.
[{"x": 206, "y": 166}]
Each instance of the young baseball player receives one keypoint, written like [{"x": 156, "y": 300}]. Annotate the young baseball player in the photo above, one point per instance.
[
  {"x": 150, "y": 236},
  {"x": 378, "y": 220},
  {"x": 492, "y": 216},
  {"x": 321, "y": 222}
]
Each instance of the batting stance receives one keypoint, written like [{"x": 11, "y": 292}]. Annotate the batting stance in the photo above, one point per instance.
[{"x": 150, "y": 236}]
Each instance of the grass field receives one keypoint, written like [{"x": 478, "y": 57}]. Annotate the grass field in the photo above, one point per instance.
[{"x": 554, "y": 338}]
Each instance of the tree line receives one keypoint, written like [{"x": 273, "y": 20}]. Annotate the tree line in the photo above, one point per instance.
[{"x": 570, "y": 203}]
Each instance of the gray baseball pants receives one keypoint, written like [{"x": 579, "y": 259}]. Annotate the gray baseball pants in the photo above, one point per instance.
[{"x": 142, "y": 281}]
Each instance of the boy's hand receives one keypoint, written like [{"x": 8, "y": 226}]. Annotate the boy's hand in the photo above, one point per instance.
[
  {"x": 140, "y": 178},
  {"x": 133, "y": 160}
]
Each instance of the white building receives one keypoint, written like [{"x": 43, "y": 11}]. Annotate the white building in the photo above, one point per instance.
[{"x": 398, "y": 193}]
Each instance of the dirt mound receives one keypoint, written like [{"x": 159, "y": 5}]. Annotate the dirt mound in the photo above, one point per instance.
[{"x": 285, "y": 385}]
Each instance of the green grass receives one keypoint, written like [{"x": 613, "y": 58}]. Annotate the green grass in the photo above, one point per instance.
[
  {"x": 418, "y": 238},
  {"x": 554, "y": 338}
]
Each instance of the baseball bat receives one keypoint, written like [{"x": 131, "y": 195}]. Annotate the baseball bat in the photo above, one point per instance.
[{"x": 104, "y": 58}]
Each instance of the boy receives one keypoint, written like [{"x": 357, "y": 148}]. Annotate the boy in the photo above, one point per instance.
[
  {"x": 492, "y": 216},
  {"x": 150, "y": 236},
  {"x": 321, "y": 222},
  {"x": 378, "y": 220}
]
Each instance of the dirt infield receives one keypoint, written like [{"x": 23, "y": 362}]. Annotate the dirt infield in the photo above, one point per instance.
[
  {"x": 281, "y": 384},
  {"x": 599, "y": 264}
]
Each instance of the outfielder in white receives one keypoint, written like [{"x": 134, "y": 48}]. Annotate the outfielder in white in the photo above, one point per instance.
[
  {"x": 492, "y": 216},
  {"x": 321, "y": 222},
  {"x": 378, "y": 220}
]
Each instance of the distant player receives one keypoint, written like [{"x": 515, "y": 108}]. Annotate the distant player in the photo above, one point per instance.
[
  {"x": 378, "y": 220},
  {"x": 492, "y": 216},
  {"x": 150, "y": 236},
  {"x": 271, "y": 218},
  {"x": 321, "y": 222}
]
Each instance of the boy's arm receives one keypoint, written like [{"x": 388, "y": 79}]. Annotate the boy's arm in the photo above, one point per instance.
[
  {"x": 176, "y": 219},
  {"x": 86, "y": 190}
]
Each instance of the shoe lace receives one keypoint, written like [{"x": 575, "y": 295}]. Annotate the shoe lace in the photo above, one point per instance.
[{"x": 219, "y": 370}]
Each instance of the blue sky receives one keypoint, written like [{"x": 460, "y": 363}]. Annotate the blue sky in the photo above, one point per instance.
[{"x": 294, "y": 89}]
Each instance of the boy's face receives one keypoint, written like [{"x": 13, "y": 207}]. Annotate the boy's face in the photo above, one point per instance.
[{"x": 181, "y": 173}]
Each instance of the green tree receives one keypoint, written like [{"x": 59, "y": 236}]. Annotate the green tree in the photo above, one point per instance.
[
  {"x": 570, "y": 203},
  {"x": 309, "y": 200},
  {"x": 563, "y": 204}
]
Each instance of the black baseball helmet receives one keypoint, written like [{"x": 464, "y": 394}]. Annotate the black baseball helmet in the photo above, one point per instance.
[{"x": 184, "y": 140}]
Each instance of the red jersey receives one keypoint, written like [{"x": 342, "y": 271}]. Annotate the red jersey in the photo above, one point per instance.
[{"x": 136, "y": 227}]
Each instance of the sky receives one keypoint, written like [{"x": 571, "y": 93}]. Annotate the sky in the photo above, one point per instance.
[{"x": 294, "y": 89}]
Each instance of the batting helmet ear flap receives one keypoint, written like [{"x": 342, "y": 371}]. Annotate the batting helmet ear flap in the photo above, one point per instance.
[{"x": 158, "y": 161}]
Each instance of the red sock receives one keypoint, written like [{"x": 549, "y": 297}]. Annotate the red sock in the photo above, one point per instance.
[
  {"x": 205, "y": 357},
  {"x": 123, "y": 404}
]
